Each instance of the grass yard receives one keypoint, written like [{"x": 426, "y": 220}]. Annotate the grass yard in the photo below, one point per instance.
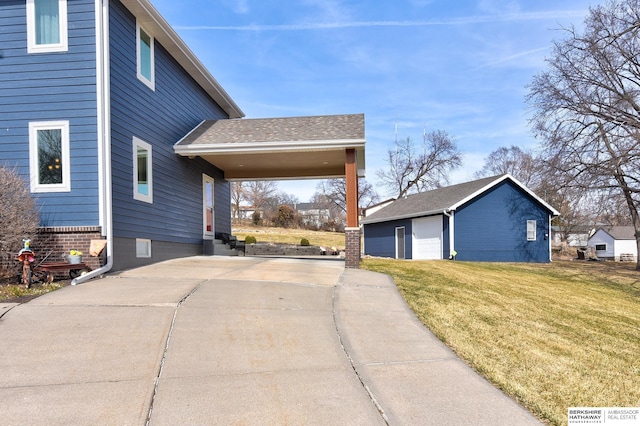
[
  {"x": 265, "y": 234},
  {"x": 552, "y": 336},
  {"x": 18, "y": 293}
]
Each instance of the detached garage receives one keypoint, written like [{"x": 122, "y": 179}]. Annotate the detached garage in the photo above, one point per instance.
[{"x": 492, "y": 219}]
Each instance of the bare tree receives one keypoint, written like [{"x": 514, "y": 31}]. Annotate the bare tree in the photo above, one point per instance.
[
  {"x": 521, "y": 164},
  {"x": 334, "y": 191},
  {"x": 237, "y": 196},
  {"x": 587, "y": 105},
  {"x": 19, "y": 217},
  {"x": 415, "y": 168},
  {"x": 259, "y": 191}
]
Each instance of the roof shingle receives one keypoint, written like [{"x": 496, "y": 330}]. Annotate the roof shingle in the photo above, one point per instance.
[{"x": 286, "y": 129}]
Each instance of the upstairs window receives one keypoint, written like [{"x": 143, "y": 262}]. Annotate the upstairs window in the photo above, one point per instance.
[
  {"x": 47, "y": 26},
  {"x": 531, "y": 230},
  {"x": 146, "y": 69},
  {"x": 142, "y": 176},
  {"x": 49, "y": 156}
]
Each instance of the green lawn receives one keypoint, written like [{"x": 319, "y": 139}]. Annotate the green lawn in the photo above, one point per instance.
[
  {"x": 266, "y": 234},
  {"x": 552, "y": 336}
]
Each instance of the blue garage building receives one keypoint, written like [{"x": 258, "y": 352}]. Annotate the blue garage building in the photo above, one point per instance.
[{"x": 495, "y": 219}]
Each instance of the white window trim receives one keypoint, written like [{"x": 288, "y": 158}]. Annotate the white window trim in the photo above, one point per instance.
[
  {"x": 136, "y": 195},
  {"x": 36, "y": 186},
  {"x": 143, "y": 248},
  {"x": 534, "y": 225},
  {"x": 150, "y": 83},
  {"x": 32, "y": 47}
]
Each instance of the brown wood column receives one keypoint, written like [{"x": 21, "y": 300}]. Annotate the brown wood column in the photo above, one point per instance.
[{"x": 352, "y": 231}]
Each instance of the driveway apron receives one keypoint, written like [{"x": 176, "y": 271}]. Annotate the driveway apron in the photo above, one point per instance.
[{"x": 215, "y": 340}]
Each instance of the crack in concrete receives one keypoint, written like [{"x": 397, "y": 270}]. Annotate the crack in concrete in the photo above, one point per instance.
[{"x": 166, "y": 348}]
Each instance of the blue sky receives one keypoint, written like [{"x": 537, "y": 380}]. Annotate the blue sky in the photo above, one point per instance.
[{"x": 458, "y": 66}]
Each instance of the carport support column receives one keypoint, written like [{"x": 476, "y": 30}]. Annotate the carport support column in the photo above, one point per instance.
[{"x": 352, "y": 231}]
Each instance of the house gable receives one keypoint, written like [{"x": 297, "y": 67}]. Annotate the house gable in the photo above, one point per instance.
[{"x": 493, "y": 227}]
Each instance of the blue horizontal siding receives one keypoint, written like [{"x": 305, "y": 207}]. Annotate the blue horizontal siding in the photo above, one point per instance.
[
  {"x": 160, "y": 118},
  {"x": 493, "y": 227},
  {"x": 380, "y": 238},
  {"x": 52, "y": 87}
]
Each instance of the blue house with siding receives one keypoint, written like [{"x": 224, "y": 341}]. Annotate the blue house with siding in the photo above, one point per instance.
[
  {"x": 494, "y": 219},
  {"x": 124, "y": 136},
  {"x": 93, "y": 96}
]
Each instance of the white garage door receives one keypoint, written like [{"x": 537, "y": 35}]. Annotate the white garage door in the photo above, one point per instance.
[{"x": 427, "y": 238}]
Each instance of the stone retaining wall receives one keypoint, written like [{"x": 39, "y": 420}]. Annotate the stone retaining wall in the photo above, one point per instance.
[{"x": 281, "y": 250}]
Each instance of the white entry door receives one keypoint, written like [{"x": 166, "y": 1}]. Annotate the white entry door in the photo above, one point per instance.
[
  {"x": 427, "y": 238},
  {"x": 208, "y": 227}
]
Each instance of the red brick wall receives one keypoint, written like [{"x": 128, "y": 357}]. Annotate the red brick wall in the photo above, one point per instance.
[
  {"x": 60, "y": 240},
  {"x": 352, "y": 248}
]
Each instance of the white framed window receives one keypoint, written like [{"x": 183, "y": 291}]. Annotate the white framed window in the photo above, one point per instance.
[
  {"x": 143, "y": 248},
  {"x": 47, "y": 26},
  {"x": 531, "y": 230},
  {"x": 142, "y": 171},
  {"x": 146, "y": 57},
  {"x": 208, "y": 223},
  {"x": 49, "y": 156}
]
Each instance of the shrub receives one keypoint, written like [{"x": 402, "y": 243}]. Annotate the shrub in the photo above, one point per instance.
[
  {"x": 256, "y": 218},
  {"x": 285, "y": 218},
  {"x": 18, "y": 216},
  {"x": 250, "y": 239},
  {"x": 304, "y": 242}
]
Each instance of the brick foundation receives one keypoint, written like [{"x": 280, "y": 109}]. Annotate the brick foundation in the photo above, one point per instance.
[
  {"x": 59, "y": 240},
  {"x": 352, "y": 248}
]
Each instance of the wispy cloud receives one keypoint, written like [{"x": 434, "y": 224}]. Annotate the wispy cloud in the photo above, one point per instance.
[
  {"x": 468, "y": 20},
  {"x": 512, "y": 57}
]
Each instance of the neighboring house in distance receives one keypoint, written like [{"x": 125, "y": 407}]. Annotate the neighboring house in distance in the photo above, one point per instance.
[
  {"x": 490, "y": 219},
  {"x": 576, "y": 237},
  {"x": 246, "y": 212},
  {"x": 99, "y": 101},
  {"x": 615, "y": 243},
  {"x": 312, "y": 213}
]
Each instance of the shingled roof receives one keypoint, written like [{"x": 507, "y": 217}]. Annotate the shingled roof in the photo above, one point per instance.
[
  {"x": 620, "y": 232},
  {"x": 325, "y": 128},
  {"x": 442, "y": 199}
]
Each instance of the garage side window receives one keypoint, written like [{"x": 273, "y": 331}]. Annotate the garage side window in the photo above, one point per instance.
[{"x": 531, "y": 230}]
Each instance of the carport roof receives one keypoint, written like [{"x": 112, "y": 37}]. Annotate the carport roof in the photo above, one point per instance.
[{"x": 278, "y": 148}]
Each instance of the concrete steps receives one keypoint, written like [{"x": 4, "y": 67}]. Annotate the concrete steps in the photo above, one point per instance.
[{"x": 218, "y": 248}]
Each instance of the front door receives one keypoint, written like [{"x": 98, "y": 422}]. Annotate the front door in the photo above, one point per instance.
[{"x": 208, "y": 212}]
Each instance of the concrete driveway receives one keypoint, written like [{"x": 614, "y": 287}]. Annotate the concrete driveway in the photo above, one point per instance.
[{"x": 215, "y": 340}]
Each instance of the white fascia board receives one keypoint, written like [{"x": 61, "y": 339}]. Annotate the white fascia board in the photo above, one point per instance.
[
  {"x": 152, "y": 21},
  {"x": 496, "y": 182},
  {"x": 404, "y": 216},
  {"x": 266, "y": 147}
]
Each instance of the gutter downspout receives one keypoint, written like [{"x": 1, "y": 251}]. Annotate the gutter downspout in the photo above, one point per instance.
[
  {"x": 103, "y": 101},
  {"x": 449, "y": 214}
]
